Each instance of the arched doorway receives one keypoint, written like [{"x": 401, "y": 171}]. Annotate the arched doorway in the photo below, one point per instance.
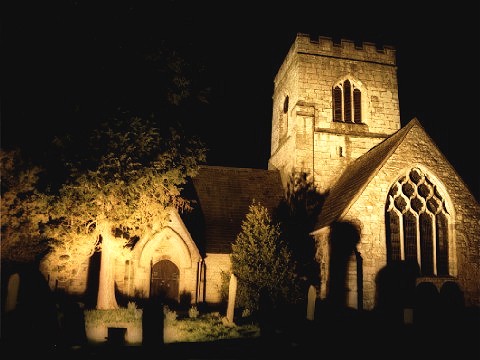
[{"x": 164, "y": 280}]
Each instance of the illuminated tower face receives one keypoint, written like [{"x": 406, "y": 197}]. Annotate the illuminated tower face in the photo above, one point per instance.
[{"x": 331, "y": 104}]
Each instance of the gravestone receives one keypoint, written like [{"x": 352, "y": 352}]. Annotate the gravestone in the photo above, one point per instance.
[
  {"x": 232, "y": 293},
  {"x": 312, "y": 296},
  {"x": 12, "y": 292}
]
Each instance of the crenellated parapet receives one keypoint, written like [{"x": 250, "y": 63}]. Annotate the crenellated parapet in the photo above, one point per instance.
[{"x": 345, "y": 49}]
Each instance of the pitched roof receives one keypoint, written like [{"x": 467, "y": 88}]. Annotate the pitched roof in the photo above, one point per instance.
[
  {"x": 357, "y": 175},
  {"x": 225, "y": 194}
]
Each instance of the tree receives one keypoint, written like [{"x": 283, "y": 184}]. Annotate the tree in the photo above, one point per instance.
[
  {"x": 125, "y": 191},
  {"x": 261, "y": 261},
  {"x": 23, "y": 210},
  {"x": 297, "y": 215}
]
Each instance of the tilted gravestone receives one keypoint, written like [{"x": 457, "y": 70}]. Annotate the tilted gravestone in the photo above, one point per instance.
[
  {"x": 12, "y": 292},
  {"x": 312, "y": 295}
]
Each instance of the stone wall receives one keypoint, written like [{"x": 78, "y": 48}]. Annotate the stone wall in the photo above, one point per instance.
[
  {"x": 75, "y": 284},
  {"x": 215, "y": 265},
  {"x": 305, "y": 138},
  {"x": 132, "y": 274},
  {"x": 465, "y": 211}
]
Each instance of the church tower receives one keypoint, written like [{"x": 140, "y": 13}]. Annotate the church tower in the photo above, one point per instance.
[{"x": 332, "y": 102}]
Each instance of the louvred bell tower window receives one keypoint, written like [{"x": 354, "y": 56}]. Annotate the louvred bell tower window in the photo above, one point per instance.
[{"x": 347, "y": 103}]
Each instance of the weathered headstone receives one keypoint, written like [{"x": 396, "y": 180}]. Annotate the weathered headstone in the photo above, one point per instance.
[
  {"x": 12, "y": 292},
  {"x": 312, "y": 296},
  {"x": 232, "y": 293},
  {"x": 408, "y": 316}
]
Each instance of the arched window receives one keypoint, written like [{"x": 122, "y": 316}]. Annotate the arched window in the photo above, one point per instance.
[
  {"x": 285, "y": 105},
  {"x": 283, "y": 119},
  {"x": 417, "y": 224},
  {"x": 347, "y": 102}
]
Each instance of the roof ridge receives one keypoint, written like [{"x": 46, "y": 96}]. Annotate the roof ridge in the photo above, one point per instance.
[
  {"x": 205, "y": 166},
  {"x": 326, "y": 217}
]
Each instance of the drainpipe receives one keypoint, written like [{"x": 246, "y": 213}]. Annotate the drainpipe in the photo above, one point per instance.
[
  {"x": 197, "y": 285},
  {"x": 203, "y": 280},
  {"x": 313, "y": 147},
  {"x": 150, "y": 280}
]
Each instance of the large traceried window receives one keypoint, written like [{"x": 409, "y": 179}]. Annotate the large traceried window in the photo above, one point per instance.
[
  {"x": 347, "y": 102},
  {"x": 417, "y": 224}
]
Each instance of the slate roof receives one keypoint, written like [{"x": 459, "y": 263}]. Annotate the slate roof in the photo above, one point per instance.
[
  {"x": 357, "y": 175},
  {"x": 225, "y": 194}
]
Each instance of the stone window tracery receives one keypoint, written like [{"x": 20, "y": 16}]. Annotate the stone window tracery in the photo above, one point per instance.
[
  {"x": 347, "y": 102},
  {"x": 417, "y": 224}
]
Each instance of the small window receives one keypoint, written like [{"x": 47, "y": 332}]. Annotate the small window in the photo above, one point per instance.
[
  {"x": 337, "y": 104},
  {"x": 357, "y": 106},
  {"x": 347, "y": 103},
  {"x": 347, "y": 100},
  {"x": 283, "y": 119},
  {"x": 285, "y": 105}
]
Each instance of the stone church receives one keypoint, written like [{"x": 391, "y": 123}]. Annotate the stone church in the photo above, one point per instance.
[{"x": 392, "y": 198}]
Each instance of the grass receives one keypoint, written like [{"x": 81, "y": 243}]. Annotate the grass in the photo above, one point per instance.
[
  {"x": 207, "y": 327},
  {"x": 191, "y": 326},
  {"x": 131, "y": 314}
]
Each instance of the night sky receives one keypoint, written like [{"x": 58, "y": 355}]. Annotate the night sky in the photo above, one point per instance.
[{"x": 69, "y": 64}]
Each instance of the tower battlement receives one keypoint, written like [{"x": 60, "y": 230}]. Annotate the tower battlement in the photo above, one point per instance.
[
  {"x": 333, "y": 100},
  {"x": 346, "y": 49}
]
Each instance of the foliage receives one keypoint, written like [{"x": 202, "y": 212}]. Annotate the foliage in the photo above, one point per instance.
[
  {"x": 297, "y": 215},
  {"x": 181, "y": 77},
  {"x": 23, "y": 209},
  {"x": 246, "y": 313},
  {"x": 169, "y": 315},
  {"x": 261, "y": 261},
  {"x": 206, "y": 327},
  {"x": 125, "y": 189},
  {"x": 193, "y": 312},
  {"x": 223, "y": 288}
]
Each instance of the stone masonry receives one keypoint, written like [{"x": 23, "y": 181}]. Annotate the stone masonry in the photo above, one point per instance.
[
  {"x": 306, "y": 129},
  {"x": 306, "y": 138}
]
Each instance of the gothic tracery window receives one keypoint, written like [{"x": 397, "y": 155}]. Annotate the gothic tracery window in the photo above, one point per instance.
[
  {"x": 347, "y": 102},
  {"x": 417, "y": 224}
]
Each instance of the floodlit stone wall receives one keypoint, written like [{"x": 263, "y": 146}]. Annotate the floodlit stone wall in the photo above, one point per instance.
[
  {"x": 304, "y": 136},
  {"x": 215, "y": 265}
]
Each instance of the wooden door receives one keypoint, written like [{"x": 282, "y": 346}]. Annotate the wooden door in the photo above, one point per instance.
[{"x": 164, "y": 280}]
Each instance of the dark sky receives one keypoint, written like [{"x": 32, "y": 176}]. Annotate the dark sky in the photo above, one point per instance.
[{"x": 67, "y": 64}]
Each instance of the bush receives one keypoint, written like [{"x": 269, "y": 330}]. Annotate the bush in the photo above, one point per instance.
[
  {"x": 193, "y": 312},
  {"x": 170, "y": 315}
]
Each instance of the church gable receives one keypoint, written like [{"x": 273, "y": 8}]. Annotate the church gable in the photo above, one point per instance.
[
  {"x": 353, "y": 180},
  {"x": 415, "y": 206},
  {"x": 418, "y": 148},
  {"x": 410, "y": 145},
  {"x": 172, "y": 241}
]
